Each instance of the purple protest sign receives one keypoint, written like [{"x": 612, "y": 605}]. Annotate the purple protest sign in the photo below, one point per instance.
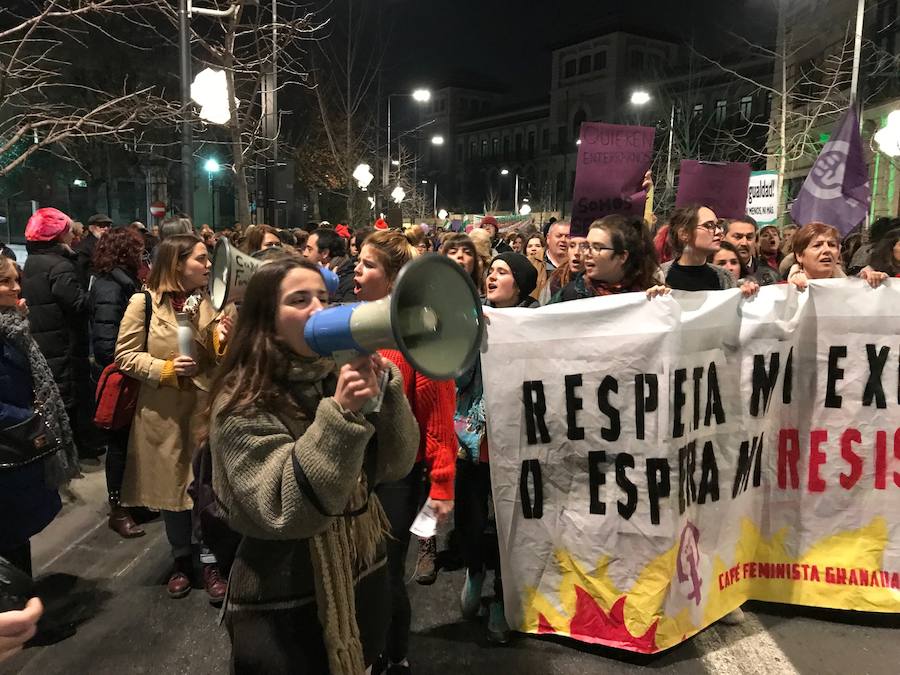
[
  {"x": 722, "y": 186},
  {"x": 612, "y": 162}
]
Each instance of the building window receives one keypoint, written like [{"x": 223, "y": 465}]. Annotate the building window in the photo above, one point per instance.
[
  {"x": 600, "y": 61},
  {"x": 584, "y": 65},
  {"x": 442, "y": 105},
  {"x": 495, "y": 147},
  {"x": 746, "y": 106},
  {"x": 636, "y": 61},
  {"x": 464, "y": 104},
  {"x": 569, "y": 69},
  {"x": 721, "y": 109},
  {"x": 484, "y": 148},
  {"x": 561, "y": 138},
  {"x": 580, "y": 117},
  {"x": 545, "y": 139},
  {"x": 531, "y": 142},
  {"x": 698, "y": 110},
  {"x": 506, "y": 147},
  {"x": 473, "y": 149},
  {"x": 518, "y": 146}
]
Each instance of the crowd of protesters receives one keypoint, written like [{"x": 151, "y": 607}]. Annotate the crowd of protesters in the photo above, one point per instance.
[{"x": 321, "y": 497}]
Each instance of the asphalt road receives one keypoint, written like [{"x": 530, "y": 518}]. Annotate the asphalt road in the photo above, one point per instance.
[{"x": 113, "y": 592}]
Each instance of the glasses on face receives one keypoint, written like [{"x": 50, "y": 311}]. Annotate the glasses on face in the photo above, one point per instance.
[
  {"x": 597, "y": 249},
  {"x": 711, "y": 226}
]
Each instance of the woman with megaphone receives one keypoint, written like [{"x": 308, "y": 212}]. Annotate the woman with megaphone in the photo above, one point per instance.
[
  {"x": 295, "y": 463},
  {"x": 383, "y": 255}
]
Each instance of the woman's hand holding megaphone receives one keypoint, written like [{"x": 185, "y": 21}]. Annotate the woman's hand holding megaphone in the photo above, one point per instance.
[{"x": 358, "y": 382}]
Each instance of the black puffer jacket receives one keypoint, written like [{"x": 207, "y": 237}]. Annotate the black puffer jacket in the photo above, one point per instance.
[
  {"x": 57, "y": 313},
  {"x": 110, "y": 294}
]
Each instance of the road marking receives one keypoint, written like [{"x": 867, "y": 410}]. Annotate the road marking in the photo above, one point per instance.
[
  {"x": 746, "y": 648},
  {"x": 68, "y": 548}
]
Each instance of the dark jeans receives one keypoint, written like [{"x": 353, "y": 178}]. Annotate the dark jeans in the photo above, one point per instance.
[
  {"x": 400, "y": 500},
  {"x": 117, "y": 449},
  {"x": 20, "y": 557},
  {"x": 178, "y": 532},
  {"x": 477, "y": 537}
]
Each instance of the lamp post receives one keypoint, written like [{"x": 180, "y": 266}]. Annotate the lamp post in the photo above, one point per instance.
[
  {"x": 641, "y": 98},
  {"x": 419, "y": 96},
  {"x": 212, "y": 167},
  {"x": 505, "y": 172}
]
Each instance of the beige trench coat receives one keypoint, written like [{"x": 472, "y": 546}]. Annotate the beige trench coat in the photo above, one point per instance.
[{"x": 164, "y": 432}]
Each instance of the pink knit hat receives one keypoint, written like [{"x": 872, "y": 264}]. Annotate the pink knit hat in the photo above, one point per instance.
[{"x": 46, "y": 224}]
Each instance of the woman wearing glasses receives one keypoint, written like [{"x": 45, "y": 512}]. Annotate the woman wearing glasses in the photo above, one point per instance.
[
  {"x": 695, "y": 234},
  {"x": 618, "y": 258}
]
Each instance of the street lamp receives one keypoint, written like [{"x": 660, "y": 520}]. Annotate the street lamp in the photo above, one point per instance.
[
  {"x": 398, "y": 195},
  {"x": 363, "y": 175},
  {"x": 888, "y": 137},
  {"x": 185, "y": 10},
  {"x": 437, "y": 140},
  {"x": 505, "y": 172},
  {"x": 212, "y": 166},
  {"x": 419, "y": 96},
  {"x": 640, "y": 97}
]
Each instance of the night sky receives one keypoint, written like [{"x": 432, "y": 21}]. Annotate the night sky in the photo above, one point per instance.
[{"x": 509, "y": 42}]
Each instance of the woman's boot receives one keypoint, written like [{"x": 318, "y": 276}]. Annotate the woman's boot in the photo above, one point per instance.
[{"x": 120, "y": 520}]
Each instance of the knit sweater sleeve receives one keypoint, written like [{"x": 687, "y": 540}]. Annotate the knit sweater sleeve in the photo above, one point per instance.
[
  {"x": 398, "y": 433},
  {"x": 254, "y": 477},
  {"x": 434, "y": 406}
]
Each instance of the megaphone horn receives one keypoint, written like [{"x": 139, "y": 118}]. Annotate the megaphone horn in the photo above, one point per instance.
[
  {"x": 232, "y": 269},
  {"x": 230, "y": 274},
  {"x": 433, "y": 316}
]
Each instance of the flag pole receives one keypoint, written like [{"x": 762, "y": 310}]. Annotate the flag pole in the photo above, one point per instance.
[
  {"x": 857, "y": 51},
  {"x": 854, "y": 88}
]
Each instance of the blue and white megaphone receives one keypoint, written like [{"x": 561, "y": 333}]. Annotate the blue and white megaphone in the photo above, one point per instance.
[{"x": 433, "y": 316}]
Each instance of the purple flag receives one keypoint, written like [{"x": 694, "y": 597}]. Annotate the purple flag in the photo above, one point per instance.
[
  {"x": 837, "y": 191},
  {"x": 720, "y": 186},
  {"x": 612, "y": 161}
]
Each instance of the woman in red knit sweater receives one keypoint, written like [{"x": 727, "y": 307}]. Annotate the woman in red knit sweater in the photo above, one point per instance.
[{"x": 433, "y": 403}]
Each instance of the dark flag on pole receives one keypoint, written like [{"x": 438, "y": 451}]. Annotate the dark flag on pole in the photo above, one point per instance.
[{"x": 837, "y": 190}]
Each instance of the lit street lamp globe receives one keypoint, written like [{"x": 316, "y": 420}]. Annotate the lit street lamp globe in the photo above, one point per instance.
[
  {"x": 363, "y": 175},
  {"x": 398, "y": 195},
  {"x": 210, "y": 91},
  {"x": 422, "y": 95},
  {"x": 640, "y": 97},
  {"x": 211, "y": 166},
  {"x": 525, "y": 210},
  {"x": 437, "y": 140},
  {"x": 442, "y": 214}
]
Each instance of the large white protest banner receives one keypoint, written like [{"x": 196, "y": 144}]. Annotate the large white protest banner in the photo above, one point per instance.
[{"x": 657, "y": 463}]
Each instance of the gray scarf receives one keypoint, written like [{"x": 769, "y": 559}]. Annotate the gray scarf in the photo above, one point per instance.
[{"x": 62, "y": 466}]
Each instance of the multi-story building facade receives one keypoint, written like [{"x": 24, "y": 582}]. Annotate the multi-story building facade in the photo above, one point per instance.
[{"x": 490, "y": 151}]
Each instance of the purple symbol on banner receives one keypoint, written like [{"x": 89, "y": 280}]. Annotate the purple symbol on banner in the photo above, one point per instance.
[
  {"x": 689, "y": 561},
  {"x": 612, "y": 161}
]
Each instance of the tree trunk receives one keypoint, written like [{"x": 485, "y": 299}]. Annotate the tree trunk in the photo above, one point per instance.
[
  {"x": 237, "y": 149},
  {"x": 350, "y": 165}
]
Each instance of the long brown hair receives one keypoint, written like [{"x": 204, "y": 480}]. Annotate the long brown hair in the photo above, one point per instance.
[
  {"x": 247, "y": 374},
  {"x": 164, "y": 276}
]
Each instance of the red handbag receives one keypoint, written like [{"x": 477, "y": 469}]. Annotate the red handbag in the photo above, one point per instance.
[{"x": 117, "y": 393}]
